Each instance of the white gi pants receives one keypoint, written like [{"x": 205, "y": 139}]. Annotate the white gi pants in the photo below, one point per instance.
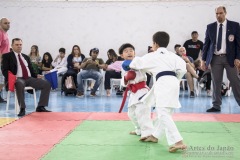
[
  {"x": 60, "y": 70},
  {"x": 165, "y": 123},
  {"x": 140, "y": 115}
]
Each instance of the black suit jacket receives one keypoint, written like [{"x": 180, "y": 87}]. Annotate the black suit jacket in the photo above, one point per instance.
[
  {"x": 9, "y": 63},
  {"x": 232, "y": 42}
]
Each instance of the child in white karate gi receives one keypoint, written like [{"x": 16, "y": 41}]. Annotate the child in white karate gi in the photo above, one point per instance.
[
  {"x": 168, "y": 69},
  {"x": 139, "y": 114}
]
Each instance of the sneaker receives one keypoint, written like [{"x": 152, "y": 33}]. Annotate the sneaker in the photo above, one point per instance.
[
  {"x": 209, "y": 93},
  {"x": 80, "y": 94},
  {"x": 192, "y": 95},
  {"x": 119, "y": 93},
  {"x": 93, "y": 94},
  {"x": 201, "y": 85}
]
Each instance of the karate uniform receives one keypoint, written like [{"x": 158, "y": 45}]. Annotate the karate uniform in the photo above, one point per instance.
[
  {"x": 60, "y": 66},
  {"x": 139, "y": 113},
  {"x": 164, "y": 94}
]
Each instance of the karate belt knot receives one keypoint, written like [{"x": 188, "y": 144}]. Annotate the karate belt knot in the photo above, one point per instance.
[{"x": 134, "y": 88}]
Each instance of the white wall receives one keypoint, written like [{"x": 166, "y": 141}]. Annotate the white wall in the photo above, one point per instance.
[{"x": 105, "y": 25}]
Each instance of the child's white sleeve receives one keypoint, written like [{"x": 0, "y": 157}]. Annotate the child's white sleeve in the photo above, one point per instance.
[
  {"x": 180, "y": 68},
  {"x": 136, "y": 63},
  {"x": 122, "y": 80}
]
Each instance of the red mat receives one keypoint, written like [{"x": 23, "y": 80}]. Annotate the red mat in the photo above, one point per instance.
[
  {"x": 227, "y": 117},
  {"x": 194, "y": 117},
  {"x": 41, "y": 126},
  {"x": 23, "y": 152},
  {"x": 57, "y": 116},
  {"x": 31, "y": 137},
  {"x": 34, "y": 135}
]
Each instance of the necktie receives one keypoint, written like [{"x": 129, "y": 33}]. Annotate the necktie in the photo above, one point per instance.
[
  {"x": 24, "y": 69},
  {"x": 219, "y": 42}
]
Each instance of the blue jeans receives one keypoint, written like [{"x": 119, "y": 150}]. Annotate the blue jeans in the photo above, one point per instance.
[{"x": 84, "y": 74}]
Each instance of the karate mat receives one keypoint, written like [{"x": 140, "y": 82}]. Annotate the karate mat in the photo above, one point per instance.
[{"x": 104, "y": 136}]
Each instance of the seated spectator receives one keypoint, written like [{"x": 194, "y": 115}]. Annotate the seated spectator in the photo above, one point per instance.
[
  {"x": 205, "y": 80},
  {"x": 46, "y": 63},
  {"x": 191, "y": 70},
  {"x": 113, "y": 69},
  {"x": 35, "y": 59},
  {"x": 60, "y": 62},
  {"x": 110, "y": 54},
  {"x": 74, "y": 61},
  {"x": 90, "y": 69},
  {"x": 176, "y": 48},
  {"x": 19, "y": 64}
]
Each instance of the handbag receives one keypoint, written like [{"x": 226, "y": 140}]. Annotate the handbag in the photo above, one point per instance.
[{"x": 69, "y": 83}]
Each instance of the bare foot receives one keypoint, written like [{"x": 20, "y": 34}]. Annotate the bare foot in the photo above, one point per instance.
[
  {"x": 176, "y": 147},
  {"x": 151, "y": 139},
  {"x": 133, "y": 133},
  {"x": 108, "y": 93},
  {"x": 143, "y": 138}
]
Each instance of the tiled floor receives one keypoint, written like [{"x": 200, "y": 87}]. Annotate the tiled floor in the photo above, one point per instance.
[{"x": 61, "y": 103}]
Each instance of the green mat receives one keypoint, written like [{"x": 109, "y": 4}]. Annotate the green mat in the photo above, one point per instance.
[{"x": 109, "y": 140}]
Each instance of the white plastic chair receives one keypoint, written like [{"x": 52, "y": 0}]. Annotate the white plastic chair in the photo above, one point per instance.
[
  {"x": 183, "y": 80},
  {"x": 16, "y": 100},
  {"x": 115, "y": 81},
  {"x": 197, "y": 89},
  {"x": 101, "y": 87}
]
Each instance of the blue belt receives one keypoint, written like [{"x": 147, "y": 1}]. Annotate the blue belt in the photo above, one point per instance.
[{"x": 165, "y": 73}]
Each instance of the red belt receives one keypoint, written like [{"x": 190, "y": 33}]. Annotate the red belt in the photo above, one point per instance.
[{"x": 134, "y": 88}]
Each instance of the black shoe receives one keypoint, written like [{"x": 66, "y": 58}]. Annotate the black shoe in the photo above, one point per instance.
[
  {"x": 192, "y": 95},
  {"x": 213, "y": 110},
  {"x": 2, "y": 100},
  {"x": 93, "y": 94},
  {"x": 42, "y": 109},
  {"x": 119, "y": 93},
  {"x": 22, "y": 112}
]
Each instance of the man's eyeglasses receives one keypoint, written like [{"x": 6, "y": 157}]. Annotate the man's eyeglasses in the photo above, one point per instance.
[{"x": 6, "y": 23}]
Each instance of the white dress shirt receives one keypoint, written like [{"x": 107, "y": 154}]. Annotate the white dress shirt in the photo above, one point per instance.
[
  {"x": 19, "y": 68},
  {"x": 224, "y": 31}
]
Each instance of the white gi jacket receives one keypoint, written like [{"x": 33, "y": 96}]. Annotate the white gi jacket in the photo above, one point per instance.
[
  {"x": 165, "y": 91},
  {"x": 134, "y": 97}
]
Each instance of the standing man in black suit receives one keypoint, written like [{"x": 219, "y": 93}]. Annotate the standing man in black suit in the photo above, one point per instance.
[
  {"x": 222, "y": 50},
  {"x": 19, "y": 64}
]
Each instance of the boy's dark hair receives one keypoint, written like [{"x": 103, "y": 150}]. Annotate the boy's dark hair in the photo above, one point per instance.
[
  {"x": 194, "y": 32},
  {"x": 197, "y": 63},
  {"x": 161, "y": 38},
  {"x": 63, "y": 50},
  {"x": 177, "y": 45},
  {"x": 124, "y": 46}
]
